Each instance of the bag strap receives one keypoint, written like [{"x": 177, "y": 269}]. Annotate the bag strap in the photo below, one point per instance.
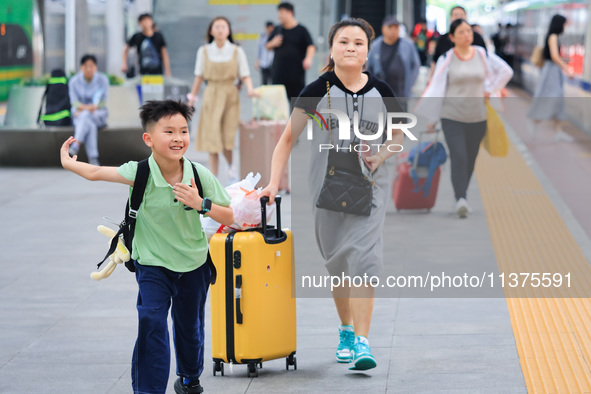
[
  {"x": 329, "y": 115},
  {"x": 208, "y": 260},
  {"x": 127, "y": 227},
  {"x": 197, "y": 181},
  {"x": 139, "y": 187},
  {"x": 133, "y": 205},
  {"x": 42, "y": 102}
]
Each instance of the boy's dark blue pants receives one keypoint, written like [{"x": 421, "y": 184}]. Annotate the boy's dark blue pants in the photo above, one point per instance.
[{"x": 158, "y": 289}]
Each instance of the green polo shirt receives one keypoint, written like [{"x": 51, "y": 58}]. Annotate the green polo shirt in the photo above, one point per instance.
[{"x": 167, "y": 235}]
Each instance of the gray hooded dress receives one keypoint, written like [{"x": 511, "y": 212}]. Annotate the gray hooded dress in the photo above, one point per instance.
[{"x": 350, "y": 244}]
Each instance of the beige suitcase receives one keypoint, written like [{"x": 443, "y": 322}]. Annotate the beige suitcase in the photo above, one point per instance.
[{"x": 257, "y": 143}]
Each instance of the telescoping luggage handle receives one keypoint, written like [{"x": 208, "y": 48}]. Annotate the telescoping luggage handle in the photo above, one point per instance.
[{"x": 272, "y": 236}]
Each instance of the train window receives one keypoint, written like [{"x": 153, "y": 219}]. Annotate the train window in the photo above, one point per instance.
[{"x": 15, "y": 47}]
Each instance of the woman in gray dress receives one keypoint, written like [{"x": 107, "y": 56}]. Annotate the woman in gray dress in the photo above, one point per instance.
[
  {"x": 350, "y": 244},
  {"x": 548, "y": 101}
]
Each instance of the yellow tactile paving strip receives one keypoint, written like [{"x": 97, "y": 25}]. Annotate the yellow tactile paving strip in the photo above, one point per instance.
[{"x": 552, "y": 327}]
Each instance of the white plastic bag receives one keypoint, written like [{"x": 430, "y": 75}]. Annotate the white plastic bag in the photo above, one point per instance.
[
  {"x": 246, "y": 205},
  {"x": 272, "y": 103}
]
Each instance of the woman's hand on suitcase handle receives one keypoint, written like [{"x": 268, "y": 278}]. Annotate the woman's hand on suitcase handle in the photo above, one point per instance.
[
  {"x": 188, "y": 195},
  {"x": 269, "y": 191},
  {"x": 431, "y": 128}
]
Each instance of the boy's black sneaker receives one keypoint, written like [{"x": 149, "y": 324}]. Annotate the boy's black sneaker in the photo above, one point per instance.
[{"x": 192, "y": 388}]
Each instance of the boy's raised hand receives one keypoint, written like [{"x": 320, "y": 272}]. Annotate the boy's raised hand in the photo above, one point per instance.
[
  {"x": 65, "y": 152},
  {"x": 188, "y": 195},
  {"x": 89, "y": 171}
]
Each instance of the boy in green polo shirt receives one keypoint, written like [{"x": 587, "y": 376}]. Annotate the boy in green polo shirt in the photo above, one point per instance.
[{"x": 169, "y": 247}]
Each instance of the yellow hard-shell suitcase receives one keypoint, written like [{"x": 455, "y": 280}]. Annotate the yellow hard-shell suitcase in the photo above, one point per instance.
[{"x": 253, "y": 310}]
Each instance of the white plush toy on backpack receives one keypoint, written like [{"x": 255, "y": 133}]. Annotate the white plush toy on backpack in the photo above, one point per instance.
[{"x": 119, "y": 256}]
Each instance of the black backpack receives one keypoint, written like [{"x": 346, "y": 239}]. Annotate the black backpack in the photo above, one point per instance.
[
  {"x": 56, "y": 100},
  {"x": 127, "y": 226}
]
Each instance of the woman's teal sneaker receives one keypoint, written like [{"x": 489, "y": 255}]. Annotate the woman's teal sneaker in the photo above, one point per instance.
[
  {"x": 347, "y": 339},
  {"x": 361, "y": 354}
]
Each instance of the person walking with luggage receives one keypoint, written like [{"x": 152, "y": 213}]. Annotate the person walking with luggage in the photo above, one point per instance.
[
  {"x": 548, "y": 100},
  {"x": 350, "y": 242},
  {"x": 88, "y": 93},
  {"x": 151, "y": 49},
  {"x": 169, "y": 247},
  {"x": 219, "y": 63},
  {"x": 294, "y": 51},
  {"x": 464, "y": 77},
  {"x": 394, "y": 59},
  {"x": 265, "y": 56}
]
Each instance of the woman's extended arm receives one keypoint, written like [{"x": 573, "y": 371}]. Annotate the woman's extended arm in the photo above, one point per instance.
[
  {"x": 293, "y": 129},
  {"x": 500, "y": 73},
  {"x": 555, "y": 54},
  {"x": 195, "y": 90}
]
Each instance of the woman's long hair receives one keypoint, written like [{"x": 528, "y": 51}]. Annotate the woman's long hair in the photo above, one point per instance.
[
  {"x": 361, "y": 23},
  {"x": 557, "y": 24},
  {"x": 556, "y": 27},
  {"x": 217, "y": 18}
]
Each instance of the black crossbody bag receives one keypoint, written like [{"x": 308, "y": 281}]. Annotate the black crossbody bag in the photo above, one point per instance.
[{"x": 345, "y": 188}]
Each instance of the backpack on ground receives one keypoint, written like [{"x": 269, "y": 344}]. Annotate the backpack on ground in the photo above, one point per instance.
[
  {"x": 56, "y": 101},
  {"x": 127, "y": 226}
]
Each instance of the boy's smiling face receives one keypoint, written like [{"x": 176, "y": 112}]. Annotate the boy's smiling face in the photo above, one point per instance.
[{"x": 168, "y": 138}]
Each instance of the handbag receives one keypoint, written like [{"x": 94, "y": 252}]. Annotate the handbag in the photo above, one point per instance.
[
  {"x": 537, "y": 56},
  {"x": 495, "y": 140},
  {"x": 345, "y": 188}
]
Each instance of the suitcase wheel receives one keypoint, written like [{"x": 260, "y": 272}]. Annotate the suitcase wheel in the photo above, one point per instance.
[
  {"x": 291, "y": 360},
  {"x": 218, "y": 366},
  {"x": 253, "y": 370}
]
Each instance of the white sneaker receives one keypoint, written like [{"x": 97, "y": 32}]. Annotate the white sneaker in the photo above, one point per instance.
[
  {"x": 468, "y": 206},
  {"x": 462, "y": 208},
  {"x": 562, "y": 136}
]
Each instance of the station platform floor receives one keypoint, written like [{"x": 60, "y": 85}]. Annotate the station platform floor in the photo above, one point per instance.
[{"x": 61, "y": 332}]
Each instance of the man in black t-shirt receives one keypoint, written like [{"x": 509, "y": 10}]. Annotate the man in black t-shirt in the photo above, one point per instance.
[
  {"x": 151, "y": 49},
  {"x": 294, "y": 51},
  {"x": 444, "y": 44}
]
